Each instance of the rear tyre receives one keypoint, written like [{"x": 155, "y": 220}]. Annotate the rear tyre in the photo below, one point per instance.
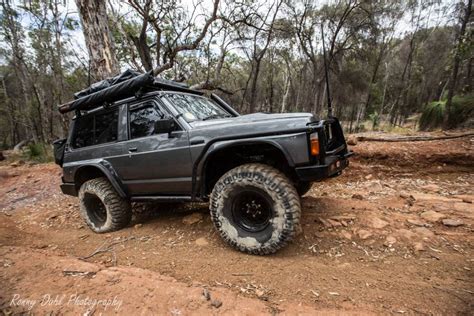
[
  {"x": 102, "y": 208},
  {"x": 303, "y": 187},
  {"x": 255, "y": 208}
]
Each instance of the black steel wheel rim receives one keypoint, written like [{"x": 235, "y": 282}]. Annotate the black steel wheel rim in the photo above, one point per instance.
[
  {"x": 252, "y": 210},
  {"x": 95, "y": 208}
]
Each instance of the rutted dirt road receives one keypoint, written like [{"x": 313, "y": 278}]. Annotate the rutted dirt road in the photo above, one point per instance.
[{"x": 393, "y": 234}]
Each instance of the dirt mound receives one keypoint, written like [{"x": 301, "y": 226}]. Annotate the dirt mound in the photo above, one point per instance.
[{"x": 432, "y": 154}]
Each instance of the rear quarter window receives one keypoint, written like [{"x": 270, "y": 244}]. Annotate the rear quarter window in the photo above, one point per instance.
[{"x": 94, "y": 129}]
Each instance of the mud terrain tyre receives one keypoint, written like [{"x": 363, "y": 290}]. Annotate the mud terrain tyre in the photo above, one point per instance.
[
  {"x": 102, "y": 208},
  {"x": 303, "y": 187},
  {"x": 255, "y": 208}
]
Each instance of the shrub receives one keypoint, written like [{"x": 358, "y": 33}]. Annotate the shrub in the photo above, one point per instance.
[
  {"x": 432, "y": 115},
  {"x": 39, "y": 152},
  {"x": 461, "y": 111}
]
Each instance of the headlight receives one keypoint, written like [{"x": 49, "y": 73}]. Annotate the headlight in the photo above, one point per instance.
[{"x": 314, "y": 143}]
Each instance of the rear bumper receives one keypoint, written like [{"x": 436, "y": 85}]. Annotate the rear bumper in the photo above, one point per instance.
[
  {"x": 333, "y": 166},
  {"x": 69, "y": 189}
]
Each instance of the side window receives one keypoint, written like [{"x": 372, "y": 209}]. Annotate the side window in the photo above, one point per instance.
[
  {"x": 84, "y": 132},
  {"x": 143, "y": 118},
  {"x": 106, "y": 127},
  {"x": 96, "y": 129}
]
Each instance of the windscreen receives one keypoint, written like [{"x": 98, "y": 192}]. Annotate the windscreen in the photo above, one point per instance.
[{"x": 195, "y": 108}]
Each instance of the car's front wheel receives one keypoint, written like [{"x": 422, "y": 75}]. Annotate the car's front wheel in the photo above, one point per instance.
[
  {"x": 102, "y": 208},
  {"x": 303, "y": 187},
  {"x": 255, "y": 208}
]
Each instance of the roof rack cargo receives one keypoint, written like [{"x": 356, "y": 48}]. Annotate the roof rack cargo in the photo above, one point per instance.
[{"x": 128, "y": 84}]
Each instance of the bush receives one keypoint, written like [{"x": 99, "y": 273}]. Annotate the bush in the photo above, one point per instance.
[
  {"x": 39, "y": 152},
  {"x": 461, "y": 111},
  {"x": 432, "y": 115}
]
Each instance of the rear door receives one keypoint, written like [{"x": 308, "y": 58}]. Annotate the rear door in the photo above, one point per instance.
[{"x": 156, "y": 163}]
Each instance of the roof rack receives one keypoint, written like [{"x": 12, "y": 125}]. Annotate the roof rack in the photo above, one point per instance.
[{"x": 128, "y": 84}]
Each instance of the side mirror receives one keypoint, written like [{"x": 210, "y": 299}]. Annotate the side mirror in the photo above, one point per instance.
[{"x": 166, "y": 125}]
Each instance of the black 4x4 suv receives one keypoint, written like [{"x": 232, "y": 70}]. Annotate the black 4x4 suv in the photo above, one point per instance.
[{"x": 138, "y": 138}]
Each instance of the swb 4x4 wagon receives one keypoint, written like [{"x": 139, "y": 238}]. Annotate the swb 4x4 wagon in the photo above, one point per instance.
[{"x": 138, "y": 138}]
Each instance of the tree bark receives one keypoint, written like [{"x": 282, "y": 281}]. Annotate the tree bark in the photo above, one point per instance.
[
  {"x": 410, "y": 138},
  {"x": 98, "y": 38},
  {"x": 456, "y": 63}
]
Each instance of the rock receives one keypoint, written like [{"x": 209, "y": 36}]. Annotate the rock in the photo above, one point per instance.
[
  {"x": 464, "y": 207},
  {"x": 418, "y": 246},
  {"x": 216, "y": 303},
  {"x": 346, "y": 235},
  {"x": 424, "y": 232},
  {"x": 352, "y": 140},
  {"x": 389, "y": 241},
  {"x": 206, "y": 294},
  {"x": 364, "y": 234},
  {"x": 416, "y": 222},
  {"x": 368, "y": 177},
  {"x": 201, "y": 242},
  {"x": 329, "y": 223},
  {"x": 466, "y": 198},
  {"x": 405, "y": 234},
  {"x": 260, "y": 293},
  {"x": 137, "y": 226},
  {"x": 432, "y": 216},
  {"x": 452, "y": 222},
  {"x": 377, "y": 223},
  {"x": 431, "y": 188},
  {"x": 192, "y": 219},
  {"x": 357, "y": 197}
]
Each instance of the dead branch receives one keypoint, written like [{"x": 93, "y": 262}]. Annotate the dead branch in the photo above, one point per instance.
[
  {"x": 109, "y": 248},
  {"x": 190, "y": 46},
  {"x": 410, "y": 138}
]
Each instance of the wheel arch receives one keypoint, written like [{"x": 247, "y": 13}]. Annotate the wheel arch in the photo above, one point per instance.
[
  {"x": 93, "y": 171},
  {"x": 271, "y": 151}
]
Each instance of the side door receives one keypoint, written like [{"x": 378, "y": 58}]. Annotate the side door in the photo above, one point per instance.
[{"x": 158, "y": 162}]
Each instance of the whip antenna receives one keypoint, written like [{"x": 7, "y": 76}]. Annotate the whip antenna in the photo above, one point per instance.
[{"x": 326, "y": 72}]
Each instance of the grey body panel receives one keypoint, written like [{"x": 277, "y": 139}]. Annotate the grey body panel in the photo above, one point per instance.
[{"x": 160, "y": 164}]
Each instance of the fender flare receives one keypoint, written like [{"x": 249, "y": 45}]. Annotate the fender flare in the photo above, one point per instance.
[
  {"x": 215, "y": 147},
  {"x": 109, "y": 172}
]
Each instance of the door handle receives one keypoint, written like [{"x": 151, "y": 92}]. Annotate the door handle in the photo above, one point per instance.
[
  {"x": 132, "y": 150},
  {"x": 197, "y": 142}
]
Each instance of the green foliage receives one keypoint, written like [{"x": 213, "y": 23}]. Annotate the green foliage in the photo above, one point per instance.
[
  {"x": 374, "y": 118},
  {"x": 38, "y": 152},
  {"x": 433, "y": 114}
]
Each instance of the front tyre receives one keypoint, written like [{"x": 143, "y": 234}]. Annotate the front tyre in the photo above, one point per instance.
[
  {"x": 303, "y": 187},
  {"x": 255, "y": 208},
  {"x": 102, "y": 208}
]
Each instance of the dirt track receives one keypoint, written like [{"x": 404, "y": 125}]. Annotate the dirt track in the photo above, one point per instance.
[{"x": 393, "y": 234}]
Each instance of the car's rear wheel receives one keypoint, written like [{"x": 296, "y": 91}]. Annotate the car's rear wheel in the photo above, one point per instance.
[
  {"x": 102, "y": 208},
  {"x": 255, "y": 208}
]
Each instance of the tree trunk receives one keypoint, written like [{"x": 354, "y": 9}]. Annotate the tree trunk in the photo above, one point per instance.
[
  {"x": 457, "y": 61},
  {"x": 98, "y": 38},
  {"x": 253, "y": 87}
]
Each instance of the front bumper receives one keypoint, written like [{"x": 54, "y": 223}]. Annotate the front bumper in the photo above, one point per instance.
[
  {"x": 69, "y": 189},
  {"x": 333, "y": 166}
]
